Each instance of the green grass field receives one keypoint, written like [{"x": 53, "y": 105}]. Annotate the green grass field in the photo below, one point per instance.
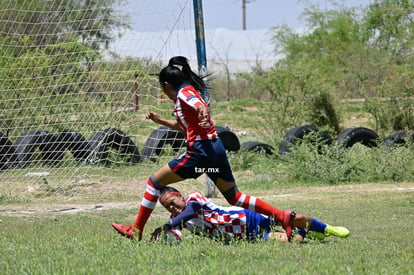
[{"x": 37, "y": 240}]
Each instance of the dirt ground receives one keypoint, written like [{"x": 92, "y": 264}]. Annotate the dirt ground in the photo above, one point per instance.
[{"x": 73, "y": 204}]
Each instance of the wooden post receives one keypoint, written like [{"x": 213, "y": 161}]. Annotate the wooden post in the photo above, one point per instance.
[{"x": 136, "y": 103}]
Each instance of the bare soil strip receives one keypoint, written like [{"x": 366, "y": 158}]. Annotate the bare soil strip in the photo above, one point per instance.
[{"x": 298, "y": 193}]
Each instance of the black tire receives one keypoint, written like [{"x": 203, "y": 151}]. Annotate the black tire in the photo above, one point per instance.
[
  {"x": 111, "y": 138},
  {"x": 398, "y": 138},
  {"x": 25, "y": 146},
  {"x": 52, "y": 150},
  {"x": 230, "y": 140},
  {"x": 296, "y": 135},
  {"x": 159, "y": 138},
  {"x": 351, "y": 136},
  {"x": 6, "y": 151},
  {"x": 76, "y": 143},
  {"x": 257, "y": 147}
]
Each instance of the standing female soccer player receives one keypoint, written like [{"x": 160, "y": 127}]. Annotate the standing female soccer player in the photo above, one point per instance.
[{"x": 204, "y": 150}]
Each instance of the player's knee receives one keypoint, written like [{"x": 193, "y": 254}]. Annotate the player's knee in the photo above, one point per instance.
[{"x": 155, "y": 182}]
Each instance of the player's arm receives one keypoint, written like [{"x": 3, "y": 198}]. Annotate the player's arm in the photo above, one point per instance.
[
  {"x": 179, "y": 220},
  {"x": 162, "y": 121},
  {"x": 188, "y": 213},
  {"x": 203, "y": 115}
]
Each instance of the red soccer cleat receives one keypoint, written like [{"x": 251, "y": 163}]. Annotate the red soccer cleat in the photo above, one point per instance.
[
  {"x": 288, "y": 223},
  {"x": 125, "y": 230}
]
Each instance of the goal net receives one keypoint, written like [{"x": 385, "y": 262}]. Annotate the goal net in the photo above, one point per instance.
[{"x": 78, "y": 77}]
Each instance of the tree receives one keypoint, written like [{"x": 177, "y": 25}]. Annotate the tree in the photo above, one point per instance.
[
  {"x": 95, "y": 20},
  {"x": 347, "y": 52},
  {"x": 52, "y": 22},
  {"x": 389, "y": 27},
  {"x": 333, "y": 40},
  {"x": 53, "y": 42}
]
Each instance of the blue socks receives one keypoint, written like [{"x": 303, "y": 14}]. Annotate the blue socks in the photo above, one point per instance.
[{"x": 317, "y": 226}]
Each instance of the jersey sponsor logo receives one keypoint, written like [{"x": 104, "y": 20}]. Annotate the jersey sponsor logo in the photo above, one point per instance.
[{"x": 190, "y": 98}]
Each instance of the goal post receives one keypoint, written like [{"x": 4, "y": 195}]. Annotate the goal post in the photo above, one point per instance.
[
  {"x": 78, "y": 77},
  {"x": 202, "y": 70},
  {"x": 201, "y": 44}
]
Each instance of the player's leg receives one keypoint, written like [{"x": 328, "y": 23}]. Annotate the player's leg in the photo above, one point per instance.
[
  {"x": 161, "y": 178},
  {"x": 237, "y": 198},
  {"x": 326, "y": 230},
  {"x": 224, "y": 180},
  {"x": 176, "y": 170},
  {"x": 282, "y": 237},
  {"x": 260, "y": 226},
  {"x": 315, "y": 229}
]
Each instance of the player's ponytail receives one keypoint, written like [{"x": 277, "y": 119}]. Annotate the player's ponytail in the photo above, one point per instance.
[{"x": 171, "y": 75}]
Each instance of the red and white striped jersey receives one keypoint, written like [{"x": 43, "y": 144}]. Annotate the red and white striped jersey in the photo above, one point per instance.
[
  {"x": 187, "y": 102},
  {"x": 215, "y": 220}
]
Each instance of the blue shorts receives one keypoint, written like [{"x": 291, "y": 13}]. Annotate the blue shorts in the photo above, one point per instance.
[
  {"x": 204, "y": 156},
  {"x": 258, "y": 225}
]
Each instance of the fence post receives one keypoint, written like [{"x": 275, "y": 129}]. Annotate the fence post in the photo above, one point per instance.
[{"x": 136, "y": 103}]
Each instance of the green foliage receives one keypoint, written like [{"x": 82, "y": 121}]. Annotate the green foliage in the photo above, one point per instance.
[
  {"x": 56, "y": 68},
  {"x": 389, "y": 27},
  {"x": 64, "y": 93},
  {"x": 95, "y": 22},
  {"x": 394, "y": 113},
  {"x": 333, "y": 38},
  {"x": 323, "y": 112},
  {"x": 345, "y": 53},
  {"x": 299, "y": 94},
  {"x": 46, "y": 69},
  {"x": 396, "y": 90},
  {"x": 332, "y": 164}
]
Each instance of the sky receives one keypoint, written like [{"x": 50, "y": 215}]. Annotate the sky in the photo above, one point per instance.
[
  {"x": 260, "y": 14},
  {"x": 164, "y": 28}
]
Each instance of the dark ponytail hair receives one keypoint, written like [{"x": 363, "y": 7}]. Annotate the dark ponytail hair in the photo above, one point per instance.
[{"x": 176, "y": 76}]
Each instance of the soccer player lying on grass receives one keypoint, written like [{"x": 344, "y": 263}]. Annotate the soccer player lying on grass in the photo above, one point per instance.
[{"x": 202, "y": 217}]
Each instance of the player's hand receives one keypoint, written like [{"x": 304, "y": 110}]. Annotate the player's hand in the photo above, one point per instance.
[
  {"x": 155, "y": 235},
  {"x": 203, "y": 116},
  {"x": 153, "y": 116}
]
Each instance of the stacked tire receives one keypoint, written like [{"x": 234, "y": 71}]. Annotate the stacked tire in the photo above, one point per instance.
[
  {"x": 347, "y": 138},
  {"x": 49, "y": 149}
]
